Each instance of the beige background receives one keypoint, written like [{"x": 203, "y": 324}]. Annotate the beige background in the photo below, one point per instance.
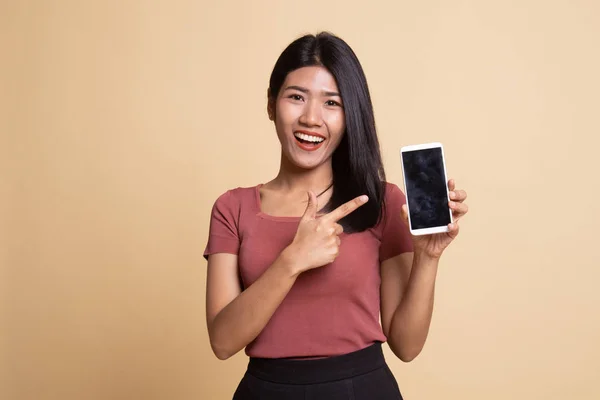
[{"x": 122, "y": 121}]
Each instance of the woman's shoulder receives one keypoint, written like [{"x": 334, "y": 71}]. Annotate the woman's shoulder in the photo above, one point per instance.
[
  {"x": 240, "y": 191},
  {"x": 236, "y": 196},
  {"x": 394, "y": 199},
  {"x": 392, "y": 190}
]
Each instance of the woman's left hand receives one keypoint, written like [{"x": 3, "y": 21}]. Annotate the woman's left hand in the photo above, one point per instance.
[{"x": 435, "y": 244}]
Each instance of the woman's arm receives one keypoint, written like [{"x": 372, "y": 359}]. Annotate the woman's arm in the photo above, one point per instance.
[
  {"x": 235, "y": 318},
  {"x": 408, "y": 283},
  {"x": 407, "y": 296}
]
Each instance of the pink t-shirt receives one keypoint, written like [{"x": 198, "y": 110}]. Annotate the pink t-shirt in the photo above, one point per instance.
[{"x": 330, "y": 310}]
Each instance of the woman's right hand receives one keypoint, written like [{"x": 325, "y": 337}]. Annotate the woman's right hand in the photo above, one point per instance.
[{"x": 317, "y": 239}]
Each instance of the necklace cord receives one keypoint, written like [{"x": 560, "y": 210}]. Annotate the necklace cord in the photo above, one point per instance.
[{"x": 328, "y": 187}]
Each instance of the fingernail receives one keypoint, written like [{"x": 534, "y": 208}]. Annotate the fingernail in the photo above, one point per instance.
[
  {"x": 451, "y": 203},
  {"x": 452, "y": 195},
  {"x": 364, "y": 198}
]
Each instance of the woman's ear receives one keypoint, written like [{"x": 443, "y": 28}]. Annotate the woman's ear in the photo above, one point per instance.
[{"x": 270, "y": 106}]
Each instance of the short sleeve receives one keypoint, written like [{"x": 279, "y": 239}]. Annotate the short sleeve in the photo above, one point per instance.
[
  {"x": 395, "y": 237},
  {"x": 223, "y": 236}
]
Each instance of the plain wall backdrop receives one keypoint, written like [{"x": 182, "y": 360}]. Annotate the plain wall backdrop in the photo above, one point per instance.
[{"x": 122, "y": 121}]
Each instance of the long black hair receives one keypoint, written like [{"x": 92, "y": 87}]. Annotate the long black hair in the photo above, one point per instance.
[{"x": 357, "y": 164}]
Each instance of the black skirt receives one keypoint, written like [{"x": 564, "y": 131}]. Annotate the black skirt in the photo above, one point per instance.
[{"x": 360, "y": 375}]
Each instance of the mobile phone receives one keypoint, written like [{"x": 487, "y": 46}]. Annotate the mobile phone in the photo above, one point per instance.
[{"x": 426, "y": 188}]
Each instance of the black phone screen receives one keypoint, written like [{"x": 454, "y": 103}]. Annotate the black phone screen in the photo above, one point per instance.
[{"x": 426, "y": 188}]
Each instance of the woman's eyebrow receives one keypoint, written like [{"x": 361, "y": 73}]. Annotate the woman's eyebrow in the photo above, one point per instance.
[
  {"x": 298, "y": 88},
  {"x": 326, "y": 93},
  {"x": 305, "y": 90}
]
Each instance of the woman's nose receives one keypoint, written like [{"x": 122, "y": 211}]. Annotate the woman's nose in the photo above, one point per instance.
[{"x": 311, "y": 115}]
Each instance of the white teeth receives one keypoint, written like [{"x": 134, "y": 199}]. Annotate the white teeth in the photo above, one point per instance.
[{"x": 309, "y": 138}]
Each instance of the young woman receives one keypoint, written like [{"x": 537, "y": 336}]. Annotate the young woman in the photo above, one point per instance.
[{"x": 301, "y": 269}]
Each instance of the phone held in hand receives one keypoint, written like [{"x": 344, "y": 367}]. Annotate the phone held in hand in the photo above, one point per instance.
[{"x": 426, "y": 188}]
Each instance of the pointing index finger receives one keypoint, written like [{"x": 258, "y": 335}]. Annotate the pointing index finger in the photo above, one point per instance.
[{"x": 346, "y": 208}]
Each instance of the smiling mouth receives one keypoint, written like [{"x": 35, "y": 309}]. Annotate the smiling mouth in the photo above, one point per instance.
[
  {"x": 307, "y": 139},
  {"x": 308, "y": 142}
]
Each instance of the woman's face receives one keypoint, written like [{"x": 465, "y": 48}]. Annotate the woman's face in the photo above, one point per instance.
[{"x": 309, "y": 116}]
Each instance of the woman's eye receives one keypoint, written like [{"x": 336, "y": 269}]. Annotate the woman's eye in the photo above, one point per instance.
[
  {"x": 332, "y": 103},
  {"x": 296, "y": 97}
]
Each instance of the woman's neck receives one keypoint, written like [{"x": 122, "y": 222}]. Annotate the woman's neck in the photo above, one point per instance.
[{"x": 293, "y": 179}]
